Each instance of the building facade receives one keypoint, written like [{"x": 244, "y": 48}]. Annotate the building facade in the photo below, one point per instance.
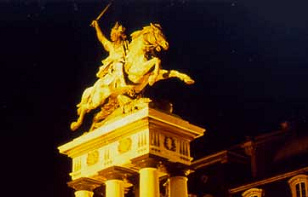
[{"x": 272, "y": 164}]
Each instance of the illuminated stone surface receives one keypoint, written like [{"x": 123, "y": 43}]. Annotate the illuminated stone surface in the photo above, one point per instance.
[
  {"x": 83, "y": 193},
  {"x": 114, "y": 188},
  {"x": 149, "y": 182},
  {"x": 127, "y": 137},
  {"x": 131, "y": 145}
]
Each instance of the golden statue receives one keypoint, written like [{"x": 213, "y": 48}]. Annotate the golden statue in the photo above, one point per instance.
[{"x": 128, "y": 69}]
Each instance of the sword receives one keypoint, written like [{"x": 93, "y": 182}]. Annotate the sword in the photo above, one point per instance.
[{"x": 103, "y": 12}]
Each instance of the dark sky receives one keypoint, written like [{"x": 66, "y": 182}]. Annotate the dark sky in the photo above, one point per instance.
[{"x": 248, "y": 58}]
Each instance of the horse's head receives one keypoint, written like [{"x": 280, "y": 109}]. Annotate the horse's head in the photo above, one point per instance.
[
  {"x": 153, "y": 37},
  {"x": 156, "y": 37}
]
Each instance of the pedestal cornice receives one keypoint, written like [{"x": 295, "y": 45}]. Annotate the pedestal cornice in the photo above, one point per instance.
[
  {"x": 116, "y": 128},
  {"x": 136, "y": 140}
]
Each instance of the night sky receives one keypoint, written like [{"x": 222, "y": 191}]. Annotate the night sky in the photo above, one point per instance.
[{"x": 248, "y": 58}]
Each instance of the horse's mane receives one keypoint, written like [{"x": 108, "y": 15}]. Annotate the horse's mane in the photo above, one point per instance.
[
  {"x": 136, "y": 34},
  {"x": 145, "y": 29}
]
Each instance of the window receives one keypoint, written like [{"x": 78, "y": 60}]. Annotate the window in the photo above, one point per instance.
[
  {"x": 253, "y": 192},
  {"x": 298, "y": 185}
]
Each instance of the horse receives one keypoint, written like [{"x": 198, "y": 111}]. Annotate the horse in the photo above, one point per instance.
[{"x": 141, "y": 68}]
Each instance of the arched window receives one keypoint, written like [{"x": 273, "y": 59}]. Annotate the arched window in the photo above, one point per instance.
[
  {"x": 253, "y": 192},
  {"x": 298, "y": 185}
]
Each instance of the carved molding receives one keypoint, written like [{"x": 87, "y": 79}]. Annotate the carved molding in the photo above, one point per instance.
[
  {"x": 255, "y": 192},
  {"x": 299, "y": 184},
  {"x": 124, "y": 145},
  {"x": 92, "y": 157},
  {"x": 268, "y": 180},
  {"x": 117, "y": 172},
  {"x": 177, "y": 169},
  {"x": 169, "y": 143},
  {"x": 84, "y": 184},
  {"x": 148, "y": 161}
]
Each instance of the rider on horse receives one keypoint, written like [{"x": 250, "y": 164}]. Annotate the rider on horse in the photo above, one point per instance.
[
  {"x": 136, "y": 66},
  {"x": 112, "y": 68}
]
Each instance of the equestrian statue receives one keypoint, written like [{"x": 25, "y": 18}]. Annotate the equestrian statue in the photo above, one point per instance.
[{"x": 130, "y": 67}]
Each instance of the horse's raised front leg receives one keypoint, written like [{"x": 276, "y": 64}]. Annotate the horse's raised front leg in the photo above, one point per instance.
[{"x": 165, "y": 74}]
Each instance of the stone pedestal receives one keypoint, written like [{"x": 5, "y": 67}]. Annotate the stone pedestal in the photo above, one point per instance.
[{"x": 123, "y": 143}]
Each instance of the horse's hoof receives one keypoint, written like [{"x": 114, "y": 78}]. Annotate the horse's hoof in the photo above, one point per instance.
[
  {"x": 189, "y": 81},
  {"x": 152, "y": 80},
  {"x": 74, "y": 126}
]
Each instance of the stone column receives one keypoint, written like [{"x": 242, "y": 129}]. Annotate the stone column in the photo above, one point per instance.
[
  {"x": 148, "y": 178},
  {"x": 149, "y": 182},
  {"x": 114, "y": 188},
  {"x": 178, "y": 181},
  {"x": 178, "y": 186},
  {"x": 115, "y": 184},
  {"x": 84, "y": 193},
  {"x": 84, "y": 186}
]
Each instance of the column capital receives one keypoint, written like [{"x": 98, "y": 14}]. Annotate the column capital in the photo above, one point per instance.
[
  {"x": 84, "y": 183},
  {"x": 148, "y": 162},
  {"x": 117, "y": 172},
  {"x": 176, "y": 169}
]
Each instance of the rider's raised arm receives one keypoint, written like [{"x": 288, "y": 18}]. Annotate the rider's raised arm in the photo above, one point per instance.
[{"x": 101, "y": 37}]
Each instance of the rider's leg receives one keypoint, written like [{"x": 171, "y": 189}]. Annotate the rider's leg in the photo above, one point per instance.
[
  {"x": 119, "y": 75},
  {"x": 154, "y": 76}
]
